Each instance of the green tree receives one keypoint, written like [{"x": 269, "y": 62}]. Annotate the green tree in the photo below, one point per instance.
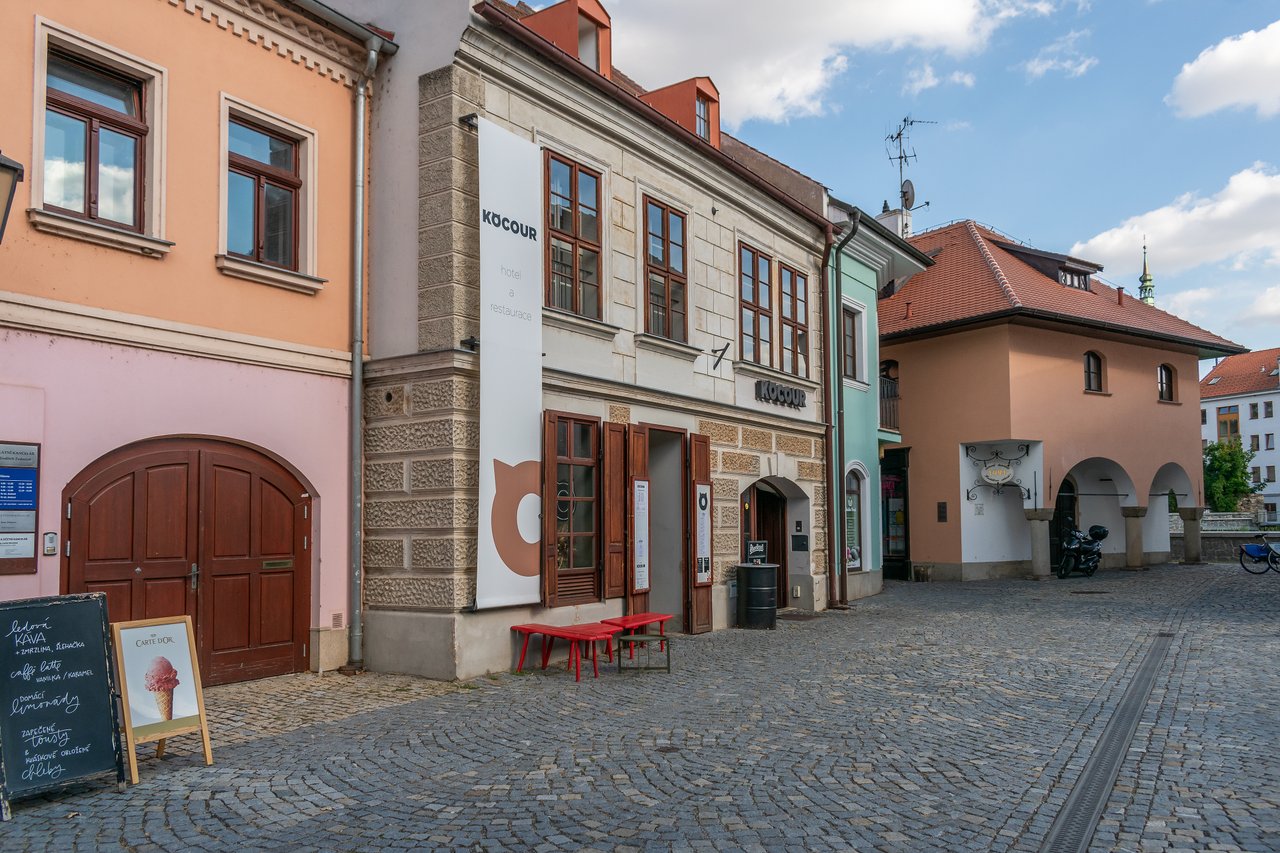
[{"x": 1226, "y": 475}]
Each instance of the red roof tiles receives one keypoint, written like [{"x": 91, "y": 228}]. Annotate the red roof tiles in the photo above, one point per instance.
[
  {"x": 973, "y": 278},
  {"x": 1248, "y": 373}
]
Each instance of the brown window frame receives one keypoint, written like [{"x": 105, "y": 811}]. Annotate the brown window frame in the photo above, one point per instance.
[
  {"x": 571, "y": 585},
  {"x": 797, "y": 323},
  {"x": 849, "y": 343},
  {"x": 1255, "y": 442},
  {"x": 1253, "y": 411},
  {"x": 665, "y": 271},
  {"x": 758, "y": 309},
  {"x": 97, "y": 117},
  {"x": 702, "y": 116},
  {"x": 575, "y": 240},
  {"x": 1228, "y": 416},
  {"x": 1093, "y": 377},
  {"x": 1166, "y": 383},
  {"x": 1267, "y": 409},
  {"x": 263, "y": 174}
]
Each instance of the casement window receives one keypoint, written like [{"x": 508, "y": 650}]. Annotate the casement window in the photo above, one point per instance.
[
  {"x": 793, "y": 291},
  {"x": 99, "y": 123},
  {"x": 1228, "y": 424},
  {"x": 1266, "y": 409},
  {"x": 666, "y": 280},
  {"x": 573, "y": 237},
  {"x": 571, "y": 531},
  {"x": 1165, "y": 385},
  {"x": 1256, "y": 475},
  {"x": 95, "y": 129},
  {"x": 1271, "y": 473},
  {"x": 849, "y": 343},
  {"x": 1270, "y": 443},
  {"x": 702, "y": 117},
  {"x": 267, "y": 192},
  {"x": 755, "y": 298},
  {"x": 1253, "y": 411},
  {"x": 1204, "y": 417},
  {"x": 1093, "y": 372},
  {"x": 263, "y": 187},
  {"x": 1255, "y": 443}
]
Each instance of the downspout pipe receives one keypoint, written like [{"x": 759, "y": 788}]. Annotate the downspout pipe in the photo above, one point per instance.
[
  {"x": 829, "y": 239},
  {"x": 355, "y": 628},
  {"x": 836, "y": 466}
]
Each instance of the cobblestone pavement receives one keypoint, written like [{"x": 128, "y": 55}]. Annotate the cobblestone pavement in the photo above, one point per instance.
[{"x": 947, "y": 717}]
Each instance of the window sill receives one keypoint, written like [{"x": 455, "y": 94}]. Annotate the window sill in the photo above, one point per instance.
[
  {"x": 856, "y": 384},
  {"x": 97, "y": 233},
  {"x": 655, "y": 343},
  {"x": 1097, "y": 393},
  {"x": 264, "y": 274},
  {"x": 576, "y": 323},
  {"x": 1169, "y": 402},
  {"x": 774, "y": 375}
]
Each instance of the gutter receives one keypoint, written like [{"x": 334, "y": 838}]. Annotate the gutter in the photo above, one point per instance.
[
  {"x": 371, "y": 40},
  {"x": 825, "y": 286},
  {"x": 606, "y": 86},
  {"x": 836, "y": 546}
]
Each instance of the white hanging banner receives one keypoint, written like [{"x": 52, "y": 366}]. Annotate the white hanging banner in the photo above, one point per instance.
[
  {"x": 640, "y": 524},
  {"x": 511, "y": 276}
]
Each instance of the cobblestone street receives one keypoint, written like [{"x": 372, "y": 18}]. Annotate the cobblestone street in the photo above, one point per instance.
[{"x": 931, "y": 717}]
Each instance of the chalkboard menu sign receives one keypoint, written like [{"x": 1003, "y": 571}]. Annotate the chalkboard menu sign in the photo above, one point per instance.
[{"x": 57, "y": 708}]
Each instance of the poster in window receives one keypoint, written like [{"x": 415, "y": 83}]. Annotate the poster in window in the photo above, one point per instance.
[
  {"x": 702, "y": 510},
  {"x": 640, "y": 518}
]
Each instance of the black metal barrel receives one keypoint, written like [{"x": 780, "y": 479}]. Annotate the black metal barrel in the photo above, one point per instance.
[{"x": 758, "y": 595}]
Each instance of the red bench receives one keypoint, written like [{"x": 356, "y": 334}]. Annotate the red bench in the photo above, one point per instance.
[
  {"x": 641, "y": 620},
  {"x": 589, "y": 632}
]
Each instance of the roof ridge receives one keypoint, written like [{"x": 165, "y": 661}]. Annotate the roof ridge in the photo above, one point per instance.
[{"x": 992, "y": 264}]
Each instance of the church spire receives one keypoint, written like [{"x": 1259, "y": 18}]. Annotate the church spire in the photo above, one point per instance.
[{"x": 1146, "y": 290}]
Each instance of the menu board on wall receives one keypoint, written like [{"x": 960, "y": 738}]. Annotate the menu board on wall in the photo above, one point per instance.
[
  {"x": 702, "y": 540},
  {"x": 19, "y": 497},
  {"x": 57, "y": 712},
  {"x": 640, "y": 539}
]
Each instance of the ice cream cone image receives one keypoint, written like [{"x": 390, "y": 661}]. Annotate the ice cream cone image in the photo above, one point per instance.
[
  {"x": 164, "y": 703},
  {"x": 161, "y": 679}
]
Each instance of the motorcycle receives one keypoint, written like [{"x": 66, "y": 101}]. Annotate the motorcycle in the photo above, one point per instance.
[{"x": 1082, "y": 552}]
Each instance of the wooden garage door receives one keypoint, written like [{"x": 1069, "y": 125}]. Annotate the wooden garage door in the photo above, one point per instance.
[{"x": 211, "y": 529}]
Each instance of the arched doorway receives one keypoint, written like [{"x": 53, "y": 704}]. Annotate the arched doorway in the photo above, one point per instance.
[
  {"x": 773, "y": 508},
  {"x": 1064, "y": 520},
  {"x": 209, "y": 528}
]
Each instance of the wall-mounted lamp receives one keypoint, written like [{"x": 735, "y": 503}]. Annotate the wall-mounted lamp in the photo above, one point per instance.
[{"x": 11, "y": 174}]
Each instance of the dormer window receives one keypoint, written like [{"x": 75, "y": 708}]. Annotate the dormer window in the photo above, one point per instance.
[
  {"x": 588, "y": 43},
  {"x": 1071, "y": 278},
  {"x": 702, "y": 117}
]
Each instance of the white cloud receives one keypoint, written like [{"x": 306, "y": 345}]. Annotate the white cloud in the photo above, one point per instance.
[
  {"x": 1240, "y": 71},
  {"x": 1265, "y": 308},
  {"x": 1061, "y": 55},
  {"x": 1188, "y": 304},
  {"x": 919, "y": 79},
  {"x": 962, "y": 78},
  {"x": 771, "y": 62},
  {"x": 1236, "y": 225}
]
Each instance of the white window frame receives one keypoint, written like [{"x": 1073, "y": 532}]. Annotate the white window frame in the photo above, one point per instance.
[
  {"x": 860, "y": 367},
  {"x": 151, "y": 241},
  {"x": 304, "y": 279},
  {"x": 856, "y": 467}
]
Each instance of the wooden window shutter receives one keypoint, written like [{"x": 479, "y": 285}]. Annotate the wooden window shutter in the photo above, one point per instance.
[
  {"x": 549, "y": 423},
  {"x": 699, "y": 473},
  {"x": 613, "y": 443}
]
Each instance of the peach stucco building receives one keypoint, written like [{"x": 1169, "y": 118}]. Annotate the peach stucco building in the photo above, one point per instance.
[
  {"x": 1033, "y": 396},
  {"x": 175, "y": 294}
]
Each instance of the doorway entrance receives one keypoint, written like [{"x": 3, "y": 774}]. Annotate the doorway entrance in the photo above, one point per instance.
[
  {"x": 211, "y": 529},
  {"x": 1064, "y": 520},
  {"x": 764, "y": 517},
  {"x": 668, "y": 573},
  {"x": 894, "y": 512}
]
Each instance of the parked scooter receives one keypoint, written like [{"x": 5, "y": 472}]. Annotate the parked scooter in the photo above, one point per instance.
[{"x": 1082, "y": 552}]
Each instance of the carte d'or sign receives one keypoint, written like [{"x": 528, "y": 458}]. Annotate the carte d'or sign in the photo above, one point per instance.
[{"x": 997, "y": 473}]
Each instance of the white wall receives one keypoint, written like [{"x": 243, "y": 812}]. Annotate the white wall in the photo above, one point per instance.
[{"x": 993, "y": 528}]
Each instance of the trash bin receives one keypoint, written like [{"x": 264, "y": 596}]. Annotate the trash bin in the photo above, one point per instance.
[{"x": 758, "y": 595}]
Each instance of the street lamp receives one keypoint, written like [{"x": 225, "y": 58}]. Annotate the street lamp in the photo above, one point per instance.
[{"x": 10, "y": 175}]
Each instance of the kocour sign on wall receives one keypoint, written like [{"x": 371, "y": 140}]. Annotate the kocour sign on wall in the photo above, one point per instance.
[{"x": 509, "y": 533}]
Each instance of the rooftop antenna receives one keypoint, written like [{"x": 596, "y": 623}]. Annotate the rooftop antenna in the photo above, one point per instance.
[{"x": 899, "y": 148}]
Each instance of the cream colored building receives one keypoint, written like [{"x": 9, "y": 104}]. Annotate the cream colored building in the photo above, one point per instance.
[{"x": 646, "y": 369}]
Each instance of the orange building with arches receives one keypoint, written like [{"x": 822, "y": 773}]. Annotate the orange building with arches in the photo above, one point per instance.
[{"x": 1034, "y": 397}]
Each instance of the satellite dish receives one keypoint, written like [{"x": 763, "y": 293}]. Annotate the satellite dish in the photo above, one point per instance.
[{"x": 908, "y": 194}]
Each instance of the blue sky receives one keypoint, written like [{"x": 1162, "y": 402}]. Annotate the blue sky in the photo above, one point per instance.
[{"x": 1073, "y": 126}]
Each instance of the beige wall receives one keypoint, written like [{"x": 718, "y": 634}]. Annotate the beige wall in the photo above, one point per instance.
[
  {"x": 205, "y": 51},
  {"x": 1024, "y": 383}
]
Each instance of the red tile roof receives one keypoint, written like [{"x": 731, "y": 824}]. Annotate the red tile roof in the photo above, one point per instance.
[
  {"x": 974, "y": 279},
  {"x": 1248, "y": 373}
]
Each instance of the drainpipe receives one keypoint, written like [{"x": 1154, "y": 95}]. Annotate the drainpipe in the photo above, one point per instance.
[
  {"x": 837, "y": 374},
  {"x": 355, "y": 636},
  {"x": 826, "y": 398}
]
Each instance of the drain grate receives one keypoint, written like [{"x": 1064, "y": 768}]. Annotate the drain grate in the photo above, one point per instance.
[{"x": 1075, "y": 825}]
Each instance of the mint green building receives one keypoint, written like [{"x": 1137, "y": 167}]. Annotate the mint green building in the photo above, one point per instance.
[{"x": 869, "y": 259}]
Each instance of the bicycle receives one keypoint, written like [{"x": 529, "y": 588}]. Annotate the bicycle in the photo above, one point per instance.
[{"x": 1266, "y": 554}]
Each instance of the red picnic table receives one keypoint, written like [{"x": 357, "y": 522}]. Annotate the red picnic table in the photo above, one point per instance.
[
  {"x": 640, "y": 620},
  {"x": 588, "y": 632}
]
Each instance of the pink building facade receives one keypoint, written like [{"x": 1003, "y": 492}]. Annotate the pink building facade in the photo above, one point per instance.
[{"x": 175, "y": 294}]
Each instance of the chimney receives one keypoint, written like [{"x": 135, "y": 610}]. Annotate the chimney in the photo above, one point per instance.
[
  {"x": 897, "y": 220},
  {"x": 1119, "y": 295},
  {"x": 908, "y": 309}
]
